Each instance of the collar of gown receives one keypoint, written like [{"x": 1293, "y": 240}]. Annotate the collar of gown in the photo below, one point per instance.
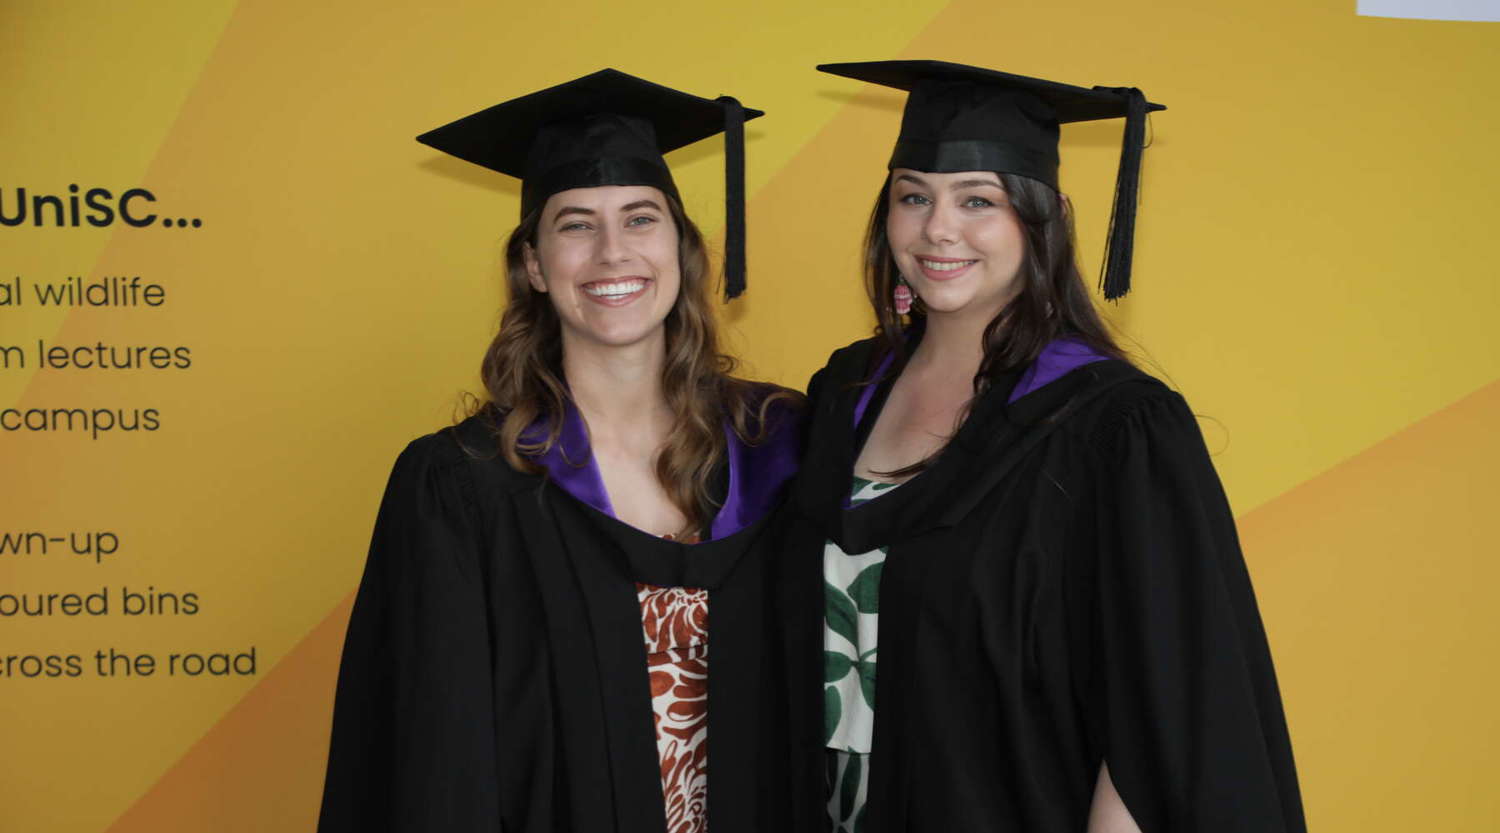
[
  {"x": 1000, "y": 429},
  {"x": 757, "y": 474},
  {"x": 1059, "y": 358}
]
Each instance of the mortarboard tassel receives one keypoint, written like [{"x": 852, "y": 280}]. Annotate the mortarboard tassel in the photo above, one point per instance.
[
  {"x": 1120, "y": 244},
  {"x": 734, "y": 197}
]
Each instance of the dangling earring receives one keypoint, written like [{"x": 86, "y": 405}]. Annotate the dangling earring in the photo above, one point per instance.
[{"x": 902, "y": 297}]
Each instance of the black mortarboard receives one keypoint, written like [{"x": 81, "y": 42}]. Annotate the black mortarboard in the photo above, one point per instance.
[
  {"x": 963, "y": 118},
  {"x": 607, "y": 128}
]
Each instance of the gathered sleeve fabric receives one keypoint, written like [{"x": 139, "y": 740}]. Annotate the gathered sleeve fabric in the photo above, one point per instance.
[
  {"x": 414, "y": 735},
  {"x": 1182, "y": 698}
]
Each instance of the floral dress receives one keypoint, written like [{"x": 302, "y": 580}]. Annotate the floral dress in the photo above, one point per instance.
[
  {"x": 675, "y": 623},
  {"x": 851, "y": 587}
]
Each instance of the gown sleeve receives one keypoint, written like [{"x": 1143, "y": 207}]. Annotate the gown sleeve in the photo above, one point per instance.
[
  {"x": 1184, "y": 704},
  {"x": 815, "y": 386},
  {"x": 412, "y": 747}
]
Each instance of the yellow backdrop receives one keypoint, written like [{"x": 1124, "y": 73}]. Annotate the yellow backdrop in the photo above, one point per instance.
[{"x": 1313, "y": 272}]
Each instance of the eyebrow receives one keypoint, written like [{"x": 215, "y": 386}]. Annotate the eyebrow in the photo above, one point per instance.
[
  {"x": 589, "y": 212},
  {"x": 963, "y": 183},
  {"x": 572, "y": 209}
]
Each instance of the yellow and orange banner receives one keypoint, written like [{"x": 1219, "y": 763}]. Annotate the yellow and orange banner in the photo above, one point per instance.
[{"x": 232, "y": 287}]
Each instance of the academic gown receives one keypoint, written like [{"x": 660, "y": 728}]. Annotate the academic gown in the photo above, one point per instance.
[
  {"x": 1063, "y": 587},
  {"x": 494, "y": 675}
]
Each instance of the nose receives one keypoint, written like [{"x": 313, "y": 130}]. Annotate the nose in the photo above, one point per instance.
[
  {"x": 941, "y": 227},
  {"x": 612, "y": 247}
]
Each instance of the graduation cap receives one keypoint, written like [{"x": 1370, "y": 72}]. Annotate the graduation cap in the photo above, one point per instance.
[
  {"x": 964, "y": 118},
  {"x": 607, "y": 128}
]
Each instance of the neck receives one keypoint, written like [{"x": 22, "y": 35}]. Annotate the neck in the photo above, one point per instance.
[
  {"x": 952, "y": 343},
  {"x": 618, "y": 388}
]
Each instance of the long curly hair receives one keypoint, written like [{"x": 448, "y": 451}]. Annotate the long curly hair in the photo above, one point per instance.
[{"x": 523, "y": 377}]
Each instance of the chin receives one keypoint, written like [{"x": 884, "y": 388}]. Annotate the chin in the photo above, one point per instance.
[
  {"x": 965, "y": 297},
  {"x": 947, "y": 299},
  {"x": 622, "y": 333}
]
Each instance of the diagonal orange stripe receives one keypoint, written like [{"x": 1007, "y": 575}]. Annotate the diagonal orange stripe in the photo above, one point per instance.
[
  {"x": 261, "y": 766},
  {"x": 1376, "y": 582}
]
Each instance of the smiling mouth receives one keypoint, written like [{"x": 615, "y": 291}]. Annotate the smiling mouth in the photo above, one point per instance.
[
  {"x": 615, "y": 288},
  {"x": 945, "y": 265}
]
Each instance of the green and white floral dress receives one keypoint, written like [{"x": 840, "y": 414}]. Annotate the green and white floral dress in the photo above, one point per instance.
[{"x": 851, "y": 587}]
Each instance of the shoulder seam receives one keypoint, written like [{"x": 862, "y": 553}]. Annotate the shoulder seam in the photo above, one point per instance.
[{"x": 1128, "y": 401}]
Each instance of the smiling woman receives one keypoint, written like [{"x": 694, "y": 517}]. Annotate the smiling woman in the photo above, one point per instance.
[
  {"x": 567, "y": 264},
  {"x": 941, "y": 226},
  {"x": 1029, "y": 610},
  {"x": 604, "y": 249},
  {"x": 529, "y": 649}
]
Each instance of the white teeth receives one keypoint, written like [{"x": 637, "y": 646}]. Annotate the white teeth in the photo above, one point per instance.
[
  {"x": 611, "y": 290},
  {"x": 945, "y": 266}
]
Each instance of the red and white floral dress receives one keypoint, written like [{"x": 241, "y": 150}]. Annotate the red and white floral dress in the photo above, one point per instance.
[{"x": 675, "y": 623}]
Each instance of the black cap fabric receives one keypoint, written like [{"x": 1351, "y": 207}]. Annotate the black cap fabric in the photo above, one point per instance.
[
  {"x": 965, "y": 118},
  {"x": 606, "y": 128}
]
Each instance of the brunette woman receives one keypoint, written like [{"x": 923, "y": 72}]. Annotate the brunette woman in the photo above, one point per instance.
[
  {"x": 529, "y": 648},
  {"x": 1029, "y": 610}
]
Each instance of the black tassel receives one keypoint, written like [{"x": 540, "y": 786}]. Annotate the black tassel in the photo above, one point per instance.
[
  {"x": 734, "y": 197},
  {"x": 1120, "y": 245}
]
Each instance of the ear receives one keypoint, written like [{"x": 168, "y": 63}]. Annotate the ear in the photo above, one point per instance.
[
  {"x": 533, "y": 268},
  {"x": 1067, "y": 204}
]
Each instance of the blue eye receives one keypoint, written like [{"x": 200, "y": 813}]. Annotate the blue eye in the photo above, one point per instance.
[
  {"x": 574, "y": 226},
  {"x": 642, "y": 220},
  {"x": 915, "y": 199},
  {"x": 978, "y": 202}
]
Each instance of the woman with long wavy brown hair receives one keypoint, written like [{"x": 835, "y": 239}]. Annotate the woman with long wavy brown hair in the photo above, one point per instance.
[
  {"x": 524, "y": 372},
  {"x": 529, "y": 649},
  {"x": 1029, "y": 610}
]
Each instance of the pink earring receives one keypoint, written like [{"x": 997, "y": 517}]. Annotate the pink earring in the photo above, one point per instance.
[{"x": 903, "y": 298}]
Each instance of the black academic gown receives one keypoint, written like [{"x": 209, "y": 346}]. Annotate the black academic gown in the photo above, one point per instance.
[
  {"x": 1063, "y": 587},
  {"x": 494, "y": 674}
]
